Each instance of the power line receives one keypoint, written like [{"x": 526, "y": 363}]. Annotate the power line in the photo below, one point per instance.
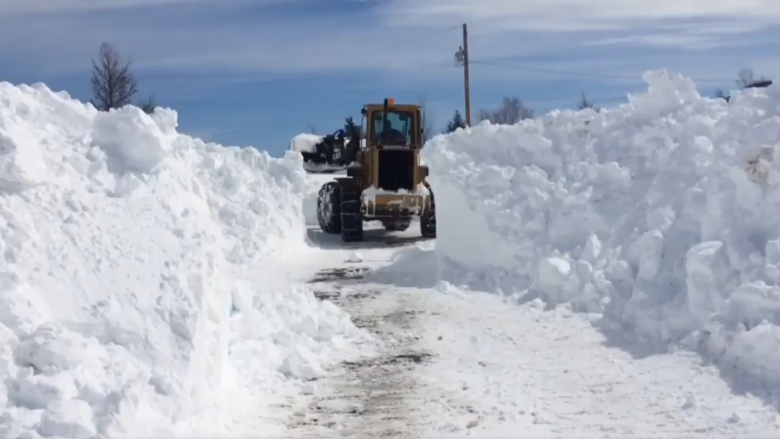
[
  {"x": 574, "y": 73},
  {"x": 439, "y": 98},
  {"x": 454, "y": 96}
]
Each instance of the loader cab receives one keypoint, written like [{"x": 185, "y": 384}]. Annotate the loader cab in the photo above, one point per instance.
[
  {"x": 393, "y": 139},
  {"x": 392, "y": 126}
]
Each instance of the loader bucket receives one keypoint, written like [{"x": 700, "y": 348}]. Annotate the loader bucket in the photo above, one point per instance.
[{"x": 325, "y": 154}]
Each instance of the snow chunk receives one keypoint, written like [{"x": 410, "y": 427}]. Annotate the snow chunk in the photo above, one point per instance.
[
  {"x": 21, "y": 166},
  {"x": 704, "y": 266},
  {"x": 553, "y": 272},
  {"x": 132, "y": 140},
  {"x": 71, "y": 419}
]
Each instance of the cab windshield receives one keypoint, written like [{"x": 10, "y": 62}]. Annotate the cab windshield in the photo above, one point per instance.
[{"x": 398, "y": 129}]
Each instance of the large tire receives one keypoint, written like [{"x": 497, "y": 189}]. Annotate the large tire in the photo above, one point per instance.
[
  {"x": 397, "y": 226},
  {"x": 351, "y": 219},
  {"x": 428, "y": 219},
  {"x": 329, "y": 208}
]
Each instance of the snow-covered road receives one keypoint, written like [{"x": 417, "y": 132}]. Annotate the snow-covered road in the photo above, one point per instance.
[{"x": 473, "y": 364}]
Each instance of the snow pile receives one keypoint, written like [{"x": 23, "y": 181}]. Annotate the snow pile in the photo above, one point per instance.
[
  {"x": 128, "y": 252},
  {"x": 662, "y": 214}
]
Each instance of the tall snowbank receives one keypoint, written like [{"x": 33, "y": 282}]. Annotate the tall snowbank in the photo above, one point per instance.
[
  {"x": 128, "y": 252},
  {"x": 662, "y": 214}
]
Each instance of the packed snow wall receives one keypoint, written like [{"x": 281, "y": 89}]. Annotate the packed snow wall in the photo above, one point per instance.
[
  {"x": 662, "y": 214},
  {"x": 126, "y": 250}
]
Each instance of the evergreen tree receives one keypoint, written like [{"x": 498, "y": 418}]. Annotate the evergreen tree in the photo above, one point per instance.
[
  {"x": 350, "y": 126},
  {"x": 585, "y": 103},
  {"x": 455, "y": 123}
]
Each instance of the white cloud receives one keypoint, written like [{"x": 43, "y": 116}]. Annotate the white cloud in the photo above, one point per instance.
[
  {"x": 393, "y": 52},
  {"x": 38, "y": 6},
  {"x": 305, "y": 44},
  {"x": 35, "y": 6},
  {"x": 573, "y": 15},
  {"x": 671, "y": 40}
]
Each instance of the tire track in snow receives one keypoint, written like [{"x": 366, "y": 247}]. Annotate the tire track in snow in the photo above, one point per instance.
[{"x": 379, "y": 396}]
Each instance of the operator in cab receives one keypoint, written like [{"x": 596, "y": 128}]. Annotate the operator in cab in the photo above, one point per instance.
[{"x": 391, "y": 135}]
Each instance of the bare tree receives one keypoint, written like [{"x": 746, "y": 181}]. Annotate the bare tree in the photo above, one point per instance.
[
  {"x": 149, "y": 106},
  {"x": 113, "y": 86},
  {"x": 427, "y": 119},
  {"x": 312, "y": 128},
  {"x": 509, "y": 112},
  {"x": 747, "y": 78}
]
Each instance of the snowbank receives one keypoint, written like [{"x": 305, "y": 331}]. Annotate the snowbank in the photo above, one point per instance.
[
  {"x": 661, "y": 214},
  {"x": 131, "y": 261}
]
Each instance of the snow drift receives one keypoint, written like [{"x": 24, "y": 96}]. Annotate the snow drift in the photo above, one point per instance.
[
  {"x": 661, "y": 214},
  {"x": 131, "y": 256}
]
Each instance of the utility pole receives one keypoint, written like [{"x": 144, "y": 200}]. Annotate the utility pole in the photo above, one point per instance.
[{"x": 462, "y": 56}]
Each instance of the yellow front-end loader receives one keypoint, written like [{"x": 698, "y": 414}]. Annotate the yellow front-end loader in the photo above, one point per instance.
[{"x": 384, "y": 178}]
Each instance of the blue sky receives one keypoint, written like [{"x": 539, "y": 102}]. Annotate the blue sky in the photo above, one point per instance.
[{"x": 257, "y": 72}]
